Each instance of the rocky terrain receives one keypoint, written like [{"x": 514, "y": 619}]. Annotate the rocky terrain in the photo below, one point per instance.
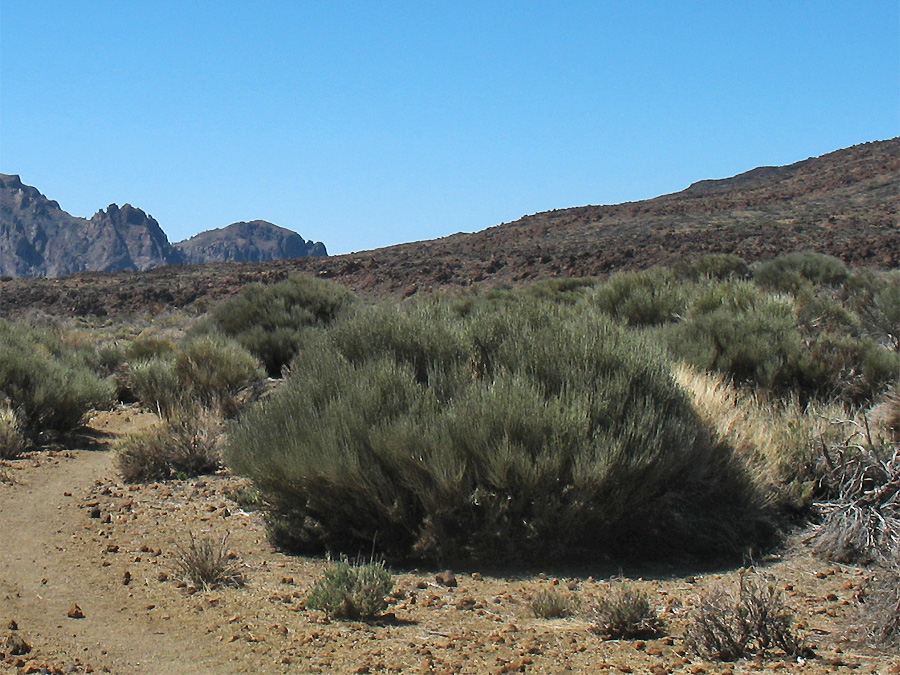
[
  {"x": 89, "y": 583},
  {"x": 39, "y": 239},
  {"x": 845, "y": 204},
  {"x": 256, "y": 241}
]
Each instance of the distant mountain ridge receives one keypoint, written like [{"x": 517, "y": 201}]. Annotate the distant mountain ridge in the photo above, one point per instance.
[{"x": 39, "y": 239}]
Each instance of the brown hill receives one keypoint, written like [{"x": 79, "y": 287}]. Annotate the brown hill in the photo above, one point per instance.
[{"x": 844, "y": 204}]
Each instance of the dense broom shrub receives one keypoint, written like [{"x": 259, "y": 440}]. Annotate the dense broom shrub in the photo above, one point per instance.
[
  {"x": 790, "y": 273},
  {"x": 537, "y": 433},
  {"x": 626, "y": 612},
  {"x": 645, "y": 298},
  {"x": 47, "y": 391},
  {"x": 207, "y": 371},
  {"x": 735, "y": 329},
  {"x": 721, "y": 266},
  {"x": 269, "y": 320}
]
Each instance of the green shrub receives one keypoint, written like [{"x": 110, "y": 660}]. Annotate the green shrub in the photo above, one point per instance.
[
  {"x": 352, "y": 591},
  {"x": 789, "y": 273},
  {"x": 206, "y": 371},
  {"x": 145, "y": 347},
  {"x": 268, "y": 320},
  {"x": 841, "y": 366},
  {"x": 734, "y": 329},
  {"x": 12, "y": 441},
  {"x": 534, "y": 433},
  {"x": 753, "y": 622},
  {"x": 721, "y": 266},
  {"x": 48, "y": 392},
  {"x": 651, "y": 297},
  {"x": 626, "y": 613},
  {"x": 189, "y": 445}
]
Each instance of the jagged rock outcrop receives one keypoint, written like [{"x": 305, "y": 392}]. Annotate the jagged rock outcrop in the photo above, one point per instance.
[
  {"x": 39, "y": 239},
  {"x": 256, "y": 241}
]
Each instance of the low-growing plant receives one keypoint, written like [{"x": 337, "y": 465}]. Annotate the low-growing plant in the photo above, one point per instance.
[
  {"x": 552, "y": 604},
  {"x": 206, "y": 563},
  {"x": 721, "y": 266},
  {"x": 12, "y": 440},
  {"x": 754, "y": 621},
  {"x": 626, "y": 612},
  {"x": 353, "y": 591},
  {"x": 651, "y": 297},
  {"x": 187, "y": 445},
  {"x": 789, "y": 273}
]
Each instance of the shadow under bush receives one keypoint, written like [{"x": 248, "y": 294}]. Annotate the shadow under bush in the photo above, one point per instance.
[{"x": 534, "y": 434}]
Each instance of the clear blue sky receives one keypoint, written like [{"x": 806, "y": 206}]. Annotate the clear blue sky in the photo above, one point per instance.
[{"x": 363, "y": 124}]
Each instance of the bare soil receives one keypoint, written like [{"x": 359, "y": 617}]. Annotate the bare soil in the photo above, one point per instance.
[{"x": 74, "y": 537}]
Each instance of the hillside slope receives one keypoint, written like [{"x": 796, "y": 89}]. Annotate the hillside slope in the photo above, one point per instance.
[{"x": 845, "y": 204}]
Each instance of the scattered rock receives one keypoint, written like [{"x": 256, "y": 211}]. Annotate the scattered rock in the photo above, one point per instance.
[
  {"x": 15, "y": 645},
  {"x": 446, "y": 578},
  {"x": 75, "y": 612}
]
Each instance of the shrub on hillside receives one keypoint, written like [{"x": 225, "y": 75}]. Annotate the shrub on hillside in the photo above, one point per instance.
[
  {"x": 721, "y": 266},
  {"x": 48, "y": 392},
  {"x": 541, "y": 432},
  {"x": 789, "y": 273},
  {"x": 268, "y": 320},
  {"x": 626, "y": 613},
  {"x": 735, "y": 329},
  {"x": 651, "y": 297},
  {"x": 841, "y": 366}
]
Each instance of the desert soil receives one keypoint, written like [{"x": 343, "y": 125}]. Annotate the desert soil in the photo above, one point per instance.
[{"x": 88, "y": 579}]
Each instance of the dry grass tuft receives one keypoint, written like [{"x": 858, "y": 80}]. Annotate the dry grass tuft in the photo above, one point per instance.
[
  {"x": 626, "y": 613},
  {"x": 12, "y": 440},
  {"x": 206, "y": 563}
]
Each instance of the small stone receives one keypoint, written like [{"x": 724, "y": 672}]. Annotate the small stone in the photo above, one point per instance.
[
  {"x": 94, "y": 512},
  {"x": 75, "y": 612},
  {"x": 15, "y": 645},
  {"x": 126, "y": 578},
  {"x": 12, "y": 625},
  {"x": 446, "y": 578}
]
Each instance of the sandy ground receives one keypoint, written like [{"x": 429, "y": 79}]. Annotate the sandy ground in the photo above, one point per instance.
[{"x": 88, "y": 580}]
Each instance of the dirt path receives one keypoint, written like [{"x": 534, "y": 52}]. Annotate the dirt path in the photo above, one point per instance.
[
  {"x": 43, "y": 574},
  {"x": 141, "y": 619}
]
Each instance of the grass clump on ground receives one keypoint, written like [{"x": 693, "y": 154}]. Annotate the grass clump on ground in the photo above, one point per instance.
[
  {"x": 552, "y": 604},
  {"x": 754, "y": 621},
  {"x": 206, "y": 563},
  {"x": 626, "y": 612},
  {"x": 352, "y": 591},
  {"x": 12, "y": 440},
  {"x": 180, "y": 447},
  {"x": 536, "y": 433}
]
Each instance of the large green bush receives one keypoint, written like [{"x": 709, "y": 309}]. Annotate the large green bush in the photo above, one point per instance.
[
  {"x": 645, "y": 298},
  {"x": 530, "y": 434},
  {"x": 791, "y": 272},
  {"x": 269, "y": 320},
  {"x": 48, "y": 390}
]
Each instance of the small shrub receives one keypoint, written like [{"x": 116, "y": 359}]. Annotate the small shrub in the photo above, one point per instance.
[
  {"x": 208, "y": 372},
  {"x": 206, "y": 563},
  {"x": 553, "y": 605},
  {"x": 721, "y": 266},
  {"x": 188, "y": 445},
  {"x": 146, "y": 347},
  {"x": 352, "y": 591},
  {"x": 626, "y": 612},
  {"x": 755, "y": 622},
  {"x": 12, "y": 441}
]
